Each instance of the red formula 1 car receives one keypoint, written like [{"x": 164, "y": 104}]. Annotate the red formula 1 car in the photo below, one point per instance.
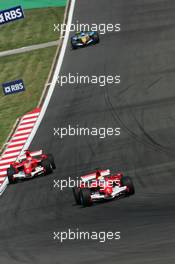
[
  {"x": 101, "y": 185},
  {"x": 30, "y": 165}
]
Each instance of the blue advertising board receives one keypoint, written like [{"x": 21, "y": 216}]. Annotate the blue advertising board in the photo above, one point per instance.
[
  {"x": 11, "y": 14},
  {"x": 13, "y": 87}
]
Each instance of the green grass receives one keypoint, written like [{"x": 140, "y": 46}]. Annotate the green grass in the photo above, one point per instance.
[
  {"x": 37, "y": 27},
  {"x": 28, "y": 4},
  {"x": 33, "y": 67}
]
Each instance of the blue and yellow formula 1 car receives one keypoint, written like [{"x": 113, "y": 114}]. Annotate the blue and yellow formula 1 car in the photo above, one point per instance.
[{"x": 84, "y": 38}]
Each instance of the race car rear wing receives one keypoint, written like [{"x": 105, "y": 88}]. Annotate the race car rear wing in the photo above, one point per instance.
[
  {"x": 93, "y": 175},
  {"x": 33, "y": 154}
]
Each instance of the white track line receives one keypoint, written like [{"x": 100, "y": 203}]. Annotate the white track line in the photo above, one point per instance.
[
  {"x": 23, "y": 131},
  {"x": 28, "y": 120},
  {"x": 26, "y": 126},
  {"x": 12, "y": 149},
  {"x": 11, "y": 154},
  {"x": 3, "y": 173},
  {"x": 2, "y": 179},
  {"x": 30, "y": 115},
  {"x": 4, "y": 161},
  {"x": 17, "y": 142},
  {"x": 19, "y": 137},
  {"x": 54, "y": 80},
  {"x": 5, "y": 166}
]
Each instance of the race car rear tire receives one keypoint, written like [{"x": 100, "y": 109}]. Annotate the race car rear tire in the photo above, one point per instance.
[
  {"x": 85, "y": 196},
  {"x": 10, "y": 172},
  {"x": 74, "y": 46},
  {"x": 76, "y": 194},
  {"x": 46, "y": 164},
  {"x": 52, "y": 161},
  {"x": 127, "y": 181},
  {"x": 96, "y": 38}
]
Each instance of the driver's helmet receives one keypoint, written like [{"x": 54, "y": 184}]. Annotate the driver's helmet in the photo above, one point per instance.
[
  {"x": 119, "y": 174},
  {"x": 28, "y": 156},
  {"x": 98, "y": 175}
]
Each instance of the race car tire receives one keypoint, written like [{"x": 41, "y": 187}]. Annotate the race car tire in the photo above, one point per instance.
[
  {"x": 127, "y": 181},
  {"x": 85, "y": 196},
  {"x": 52, "y": 161},
  {"x": 73, "y": 46},
  {"x": 76, "y": 194},
  {"x": 96, "y": 38},
  {"x": 46, "y": 164},
  {"x": 10, "y": 172}
]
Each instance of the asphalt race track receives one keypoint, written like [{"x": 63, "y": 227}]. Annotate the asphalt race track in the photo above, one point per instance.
[{"x": 143, "y": 105}]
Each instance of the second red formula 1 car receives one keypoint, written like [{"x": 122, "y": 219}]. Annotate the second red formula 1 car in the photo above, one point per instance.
[
  {"x": 101, "y": 185},
  {"x": 30, "y": 165}
]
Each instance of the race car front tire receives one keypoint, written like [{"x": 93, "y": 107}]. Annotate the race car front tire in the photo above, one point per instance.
[
  {"x": 127, "y": 181},
  {"x": 46, "y": 164},
  {"x": 51, "y": 159},
  {"x": 85, "y": 196},
  {"x": 76, "y": 194},
  {"x": 10, "y": 172}
]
